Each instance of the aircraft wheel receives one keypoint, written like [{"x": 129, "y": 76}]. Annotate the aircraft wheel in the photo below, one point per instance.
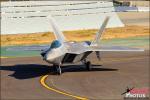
[{"x": 88, "y": 65}]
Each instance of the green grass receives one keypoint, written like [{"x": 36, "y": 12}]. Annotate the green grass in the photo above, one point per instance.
[
  {"x": 142, "y": 42},
  {"x": 131, "y": 42}
]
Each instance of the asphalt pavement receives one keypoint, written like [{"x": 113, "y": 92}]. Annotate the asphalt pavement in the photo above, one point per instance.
[{"x": 30, "y": 78}]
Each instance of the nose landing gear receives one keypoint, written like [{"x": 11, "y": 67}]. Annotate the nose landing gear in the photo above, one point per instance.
[{"x": 58, "y": 69}]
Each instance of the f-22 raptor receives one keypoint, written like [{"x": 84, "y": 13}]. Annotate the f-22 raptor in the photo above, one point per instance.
[{"x": 62, "y": 51}]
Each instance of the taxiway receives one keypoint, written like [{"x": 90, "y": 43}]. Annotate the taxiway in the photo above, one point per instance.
[{"x": 31, "y": 78}]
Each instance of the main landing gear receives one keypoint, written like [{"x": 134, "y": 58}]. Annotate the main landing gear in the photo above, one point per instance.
[
  {"x": 58, "y": 69},
  {"x": 88, "y": 65}
]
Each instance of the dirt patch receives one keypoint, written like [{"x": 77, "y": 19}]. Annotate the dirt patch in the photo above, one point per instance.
[{"x": 79, "y": 35}]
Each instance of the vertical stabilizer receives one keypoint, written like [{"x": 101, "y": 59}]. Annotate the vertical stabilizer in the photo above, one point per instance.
[
  {"x": 58, "y": 34},
  {"x": 100, "y": 32}
]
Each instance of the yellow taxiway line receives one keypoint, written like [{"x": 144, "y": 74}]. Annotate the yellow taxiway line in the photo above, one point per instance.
[
  {"x": 3, "y": 57},
  {"x": 42, "y": 81}
]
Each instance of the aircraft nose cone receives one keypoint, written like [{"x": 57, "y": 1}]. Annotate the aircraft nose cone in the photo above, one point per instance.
[{"x": 49, "y": 57}]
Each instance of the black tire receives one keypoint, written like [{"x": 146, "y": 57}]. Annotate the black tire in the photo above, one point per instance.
[{"x": 88, "y": 65}]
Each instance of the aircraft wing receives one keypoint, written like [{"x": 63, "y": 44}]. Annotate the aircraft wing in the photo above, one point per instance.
[
  {"x": 113, "y": 48},
  {"x": 76, "y": 51},
  {"x": 76, "y": 48},
  {"x": 28, "y": 48}
]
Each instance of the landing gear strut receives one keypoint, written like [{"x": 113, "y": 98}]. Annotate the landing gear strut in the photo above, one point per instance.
[
  {"x": 87, "y": 65},
  {"x": 58, "y": 69}
]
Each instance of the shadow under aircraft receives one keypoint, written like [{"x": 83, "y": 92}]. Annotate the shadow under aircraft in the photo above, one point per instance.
[{"x": 26, "y": 71}]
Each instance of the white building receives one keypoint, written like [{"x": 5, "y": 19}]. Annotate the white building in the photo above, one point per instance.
[{"x": 30, "y": 16}]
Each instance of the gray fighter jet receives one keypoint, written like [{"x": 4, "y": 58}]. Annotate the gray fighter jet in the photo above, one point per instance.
[{"x": 61, "y": 51}]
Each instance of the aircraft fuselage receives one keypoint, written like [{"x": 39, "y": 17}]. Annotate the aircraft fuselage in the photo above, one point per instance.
[{"x": 61, "y": 54}]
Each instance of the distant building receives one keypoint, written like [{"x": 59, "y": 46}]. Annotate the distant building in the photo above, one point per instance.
[
  {"x": 140, "y": 3},
  {"x": 144, "y": 3},
  {"x": 134, "y": 3},
  {"x": 121, "y": 3},
  {"x": 31, "y": 17}
]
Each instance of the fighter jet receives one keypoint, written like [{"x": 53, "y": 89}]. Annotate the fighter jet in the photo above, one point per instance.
[{"x": 62, "y": 51}]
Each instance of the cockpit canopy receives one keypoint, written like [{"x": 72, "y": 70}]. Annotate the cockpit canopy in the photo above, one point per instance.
[{"x": 55, "y": 44}]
